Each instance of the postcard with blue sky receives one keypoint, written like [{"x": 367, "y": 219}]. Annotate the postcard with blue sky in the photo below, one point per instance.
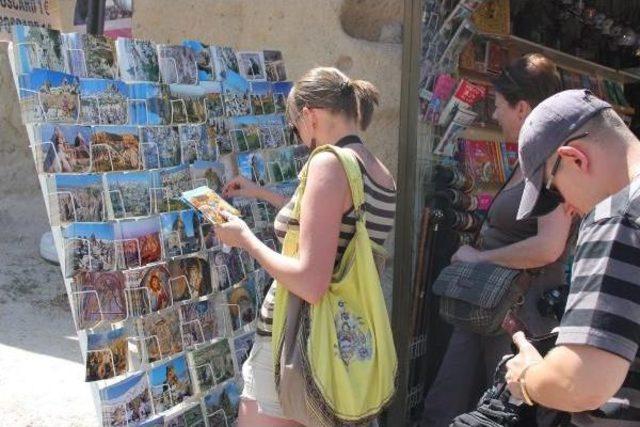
[
  {"x": 79, "y": 198},
  {"x": 37, "y": 47},
  {"x": 49, "y": 96},
  {"x": 170, "y": 383},
  {"x": 103, "y": 102},
  {"x": 204, "y": 59},
  {"x": 160, "y": 146}
]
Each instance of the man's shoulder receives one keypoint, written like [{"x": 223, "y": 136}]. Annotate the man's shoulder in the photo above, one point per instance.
[{"x": 623, "y": 206}]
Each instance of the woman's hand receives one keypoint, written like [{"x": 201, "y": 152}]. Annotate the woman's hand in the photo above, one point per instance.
[
  {"x": 235, "y": 232},
  {"x": 467, "y": 254},
  {"x": 240, "y": 187}
]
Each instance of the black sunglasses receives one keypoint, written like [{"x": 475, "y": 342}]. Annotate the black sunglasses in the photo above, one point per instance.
[
  {"x": 550, "y": 189},
  {"x": 294, "y": 134}
]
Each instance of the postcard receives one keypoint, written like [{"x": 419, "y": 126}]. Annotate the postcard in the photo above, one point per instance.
[
  {"x": 262, "y": 100},
  {"x": 280, "y": 93},
  {"x": 128, "y": 194},
  {"x": 252, "y": 166},
  {"x": 209, "y": 204},
  {"x": 115, "y": 148},
  {"x": 237, "y": 96},
  {"x": 209, "y": 174},
  {"x": 247, "y": 210},
  {"x": 89, "y": 246},
  {"x": 300, "y": 157},
  {"x": 170, "y": 383},
  {"x": 49, "y": 96},
  {"x": 90, "y": 56},
  {"x": 252, "y": 66},
  {"x": 98, "y": 297},
  {"x": 227, "y": 268},
  {"x": 190, "y": 416},
  {"x": 213, "y": 364},
  {"x": 37, "y": 47},
  {"x": 242, "y": 303},
  {"x": 213, "y": 98},
  {"x": 263, "y": 215},
  {"x": 137, "y": 60},
  {"x": 200, "y": 322},
  {"x": 242, "y": 347},
  {"x": 263, "y": 282},
  {"x": 272, "y": 135},
  {"x": 245, "y": 133},
  {"x": 187, "y": 104},
  {"x": 226, "y": 62},
  {"x": 149, "y": 104},
  {"x": 168, "y": 186},
  {"x": 177, "y": 64},
  {"x": 222, "y": 404},
  {"x": 218, "y": 131},
  {"x": 126, "y": 402},
  {"x": 204, "y": 60},
  {"x": 180, "y": 233},
  {"x": 138, "y": 242},
  {"x": 77, "y": 198},
  {"x": 63, "y": 148},
  {"x": 107, "y": 354},
  {"x": 281, "y": 165},
  {"x": 209, "y": 238},
  {"x": 161, "y": 334},
  {"x": 148, "y": 289},
  {"x": 190, "y": 278},
  {"x": 274, "y": 65},
  {"x": 196, "y": 144},
  {"x": 160, "y": 147},
  {"x": 103, "y": 102}
]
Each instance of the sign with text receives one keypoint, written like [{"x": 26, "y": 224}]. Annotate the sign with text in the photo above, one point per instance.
[{"x": 41, "y": 13}]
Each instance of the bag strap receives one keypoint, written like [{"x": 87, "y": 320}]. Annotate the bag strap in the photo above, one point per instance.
[{"x": 354, "y": 177}]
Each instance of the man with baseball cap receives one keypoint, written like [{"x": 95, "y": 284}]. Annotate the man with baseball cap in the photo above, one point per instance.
[{"x": 574, "y": 149}]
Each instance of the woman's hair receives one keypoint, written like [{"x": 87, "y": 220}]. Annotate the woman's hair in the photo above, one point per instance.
[
  {"x": 531, "y": 78},
  {"x": 330, "y": 88}
]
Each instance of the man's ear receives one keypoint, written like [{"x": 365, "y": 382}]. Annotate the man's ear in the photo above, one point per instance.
[
  {"x": 574, "y": 156},
  {"x": 523, "y": 108}
]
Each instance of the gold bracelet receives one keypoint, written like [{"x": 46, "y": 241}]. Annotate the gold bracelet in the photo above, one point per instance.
[{"x": 523, "y": 385}]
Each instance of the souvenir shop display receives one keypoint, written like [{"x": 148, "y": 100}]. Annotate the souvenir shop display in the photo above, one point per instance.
[{"x": 133, "y": 142}]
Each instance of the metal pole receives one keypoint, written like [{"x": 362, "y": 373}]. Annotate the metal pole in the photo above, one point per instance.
[
  {"x": 95, "y": 17},
  {"x": 406, "y": 229}
]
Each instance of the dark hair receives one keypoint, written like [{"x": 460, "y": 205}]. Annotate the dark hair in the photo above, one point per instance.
[
  {"x": 531, "y": 78},
  {"x": 330, "y": 88}
]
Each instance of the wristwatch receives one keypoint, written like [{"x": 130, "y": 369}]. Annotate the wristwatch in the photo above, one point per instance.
[{"x": 523, "y": 385}]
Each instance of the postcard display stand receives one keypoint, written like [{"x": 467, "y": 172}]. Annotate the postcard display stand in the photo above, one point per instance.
[
  {"x": 118, "y": 130},
  {"x": 463, "y": 158}
]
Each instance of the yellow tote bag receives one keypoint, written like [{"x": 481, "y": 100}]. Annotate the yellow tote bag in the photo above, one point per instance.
[{"x": 335, "y": 361}]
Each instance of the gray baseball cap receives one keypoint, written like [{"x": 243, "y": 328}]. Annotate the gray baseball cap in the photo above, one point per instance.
[{"x": 545, "y": 129}]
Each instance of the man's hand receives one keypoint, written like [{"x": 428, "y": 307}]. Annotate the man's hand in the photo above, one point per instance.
[
  {"x": 467, "y": 254},
  {"x": 526, "y": 356}
]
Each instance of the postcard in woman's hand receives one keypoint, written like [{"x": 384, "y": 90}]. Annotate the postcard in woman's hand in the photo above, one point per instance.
[{"x": 207, "y": 202}]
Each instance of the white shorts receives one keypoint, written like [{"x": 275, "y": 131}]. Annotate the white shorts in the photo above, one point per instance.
[{"x": 259, "y": 378}]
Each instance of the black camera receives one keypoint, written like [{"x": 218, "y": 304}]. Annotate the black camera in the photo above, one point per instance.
[{"x": 553, "y": 301}]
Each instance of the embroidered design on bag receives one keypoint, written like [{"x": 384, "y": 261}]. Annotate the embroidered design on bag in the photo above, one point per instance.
[{"x": 354, "y": 344}]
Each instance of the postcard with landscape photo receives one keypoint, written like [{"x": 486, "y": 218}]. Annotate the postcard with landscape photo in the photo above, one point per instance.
[
  {"x": 252, "y": 66},
  {"x": 200, "y": 322},
  {"x": 209, "y": 239},
  {"x": 187, "y": 104},
  {"x": 99, "y": 297},
  {"x": 89, "y": 246},
  {"x": 262, "y": 99},
  {"x": 213, "y": 99},
  {"x": 63, "y": 148},
  {"x": 208, "y": 174},
  {"x": 161, "y": 334},
  {"x": 300, "y": 156},
  {"x": 246, "y": 207},
  {"x": 148, "y": 289},
  {"x": 90, "y": 56},
  {"x": 204, "y": 59},
  {"x": 127, "y": 402},
  {"x": 227, "y": 269},
  {"x": 280, "y": 93},
  {"x": 149, "y": 104},
  {"x": 189, "y": 416},
  {"x": 222, "y": 404},
  {"x": 262, "y": 281},
  {"x": 242, "y": 303},
  {"x": 213, "y": 364},
  {"x": 177, "y": 64},
  {"x": 252, "y": 166},
  {"x": 138, "y": 242},
  {"x": 137, "y": 60},
  {"x": 272, "y": 135},
  {"x": 37, "y": 47},
  {"x": 76, "y": 198},
  {"x": 209, "y": 204},
  {"x": 103, "y": 102},
  {"x": 180, "y": 233},
  {"x": 115, "y": 148},
  {"x": 190, "y": 277},
  {"x": 49, "y": 96},
  {"x": 195, "y": 144},
  {"x": 242, "y": 347},
  {"x": 281, "y": 165},
  {"x": 107, "y": 354},
  {"x": 167, "y": 189},
  {"x": 237, "y": 96},
  {"x": 274, "y": 64},
  {"x": 218, "y": 131},
  {"x": 245, "y": 133},
  {"x": 170, "y": 383},
  {"x": 160, "y": 146},
  {"x": 128, "y": 194},
  {"x": 226, "y": 62}
]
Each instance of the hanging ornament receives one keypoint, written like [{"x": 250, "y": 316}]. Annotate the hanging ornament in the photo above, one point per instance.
[{"x": 628, "y": 37}]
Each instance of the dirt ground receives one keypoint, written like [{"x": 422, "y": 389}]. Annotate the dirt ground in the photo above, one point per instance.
[{"x": 41, "y": 380}]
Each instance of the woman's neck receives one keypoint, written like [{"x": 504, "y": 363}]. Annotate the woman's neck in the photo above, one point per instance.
[{"x": 337, "y": 133}]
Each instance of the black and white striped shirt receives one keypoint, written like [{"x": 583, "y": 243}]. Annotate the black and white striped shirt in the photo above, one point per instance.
[
  {"x": 380, "y": 207},
  {"x": 603, "y": 308}
]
